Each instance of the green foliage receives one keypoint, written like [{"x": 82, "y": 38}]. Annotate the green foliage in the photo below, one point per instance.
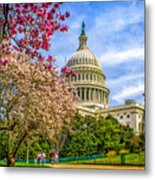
[
  {"x": 88, "y": 135},
  {"x": 138, "y": 143},
  {"x": 83, "y": 136},
  {"x": 40, "y": 145},
  {"x": 3, "y": 145}
]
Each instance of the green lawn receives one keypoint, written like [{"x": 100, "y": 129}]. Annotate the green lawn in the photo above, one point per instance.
[
  {"x": 21, "y": 164},
  {"x": 130, "y": 159}
]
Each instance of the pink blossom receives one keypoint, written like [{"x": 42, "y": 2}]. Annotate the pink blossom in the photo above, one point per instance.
[
  {"x": 13, "y": 32},
  {"x": 67, "y": 14},
  {"x": 49, "y": 66},
  {"x": 2, "y": 22},
  {"x": 37, "y": 22},
  {"x": 64, "y": 28},
  {"x": 4, "y": 62},
  {"x": 22, "y": 42},
  {"x": 53, "y": 10},
  {"x": 40, "y": 12},
  {"x": 62, "y": 17},
  {"x": 21, "y": 20},
  {"x": 50, "y": 58},
  {"x": 41, "y": 58},
  {"x": 45, "y": 5},
  {"x": 64, "y": 69},
  {"x": 16, "y": 48},
  {"x": 20, "y": 29}
]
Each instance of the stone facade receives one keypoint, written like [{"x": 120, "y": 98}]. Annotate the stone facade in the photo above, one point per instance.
[{"x": 94, "y": 93}]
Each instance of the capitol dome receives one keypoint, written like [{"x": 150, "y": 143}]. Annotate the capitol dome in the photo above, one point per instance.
[
  {"x": 90, "y": 79},
  {"x": 84, "y": 56}
]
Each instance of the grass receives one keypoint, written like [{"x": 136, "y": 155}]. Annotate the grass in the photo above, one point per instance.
[
  {"x": 130, "y": 159},
  {"x": 21, "y": 164}
]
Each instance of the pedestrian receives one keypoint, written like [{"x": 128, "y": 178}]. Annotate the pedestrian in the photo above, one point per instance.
[
  {"x": 57, "y": 156},
  {"x": 43, "y": 158},
  {"x": 39, "y": 158},
  {"x": 52, "y": 156}
]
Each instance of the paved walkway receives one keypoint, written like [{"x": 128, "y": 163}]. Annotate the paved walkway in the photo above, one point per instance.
[{"x": 106, "y": 167}]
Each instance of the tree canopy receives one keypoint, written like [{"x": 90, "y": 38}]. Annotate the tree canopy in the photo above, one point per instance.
[{"x": 90, "y": 135}]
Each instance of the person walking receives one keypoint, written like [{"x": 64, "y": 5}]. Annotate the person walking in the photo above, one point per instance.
[
  {"x": 57, "y": 156},
  {"x": 39, "y": 158},
  {"x": 52, "y": 156},
  {"x": 43, "y": 158}
]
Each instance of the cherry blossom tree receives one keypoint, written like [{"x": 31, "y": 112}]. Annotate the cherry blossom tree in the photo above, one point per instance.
[
  {"x": 31, "y": 26},
  {"x": 33, "y": 98}
]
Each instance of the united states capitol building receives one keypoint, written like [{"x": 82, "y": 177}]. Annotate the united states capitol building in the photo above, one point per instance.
[{"x": 90, "y": 82}]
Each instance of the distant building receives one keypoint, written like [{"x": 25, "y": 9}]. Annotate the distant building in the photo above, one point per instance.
[{"x": 94, "y": 93}]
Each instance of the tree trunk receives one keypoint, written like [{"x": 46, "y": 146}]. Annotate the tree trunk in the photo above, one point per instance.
[
  {"x": 10, "y": 162},
  {"x": 19, "y": 144},
  {"x": 9, "y": 158},
  {"x": 27, "y": 152}
]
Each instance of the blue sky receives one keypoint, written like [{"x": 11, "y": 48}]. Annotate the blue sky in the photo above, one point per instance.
[{"x": 115, "y": 33}]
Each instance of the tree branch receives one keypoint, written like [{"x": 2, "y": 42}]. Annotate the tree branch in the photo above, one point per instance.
[
  {"x": 8, "y": 128},
  {"x": 19, "y": 144},
  {"x": 4, "y": 128}
]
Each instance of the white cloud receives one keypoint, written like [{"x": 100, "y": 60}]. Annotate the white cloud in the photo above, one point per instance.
[
  {"x": 113, "y": 58},
  {"x": 118, "y": 18},
  {"x": 125, "y": 79},
  {"x": 117, "y": 28},
  {"x": 128, "y": 92}
]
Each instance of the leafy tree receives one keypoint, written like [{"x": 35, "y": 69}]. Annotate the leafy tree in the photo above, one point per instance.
[
  {"x": 90, "y": 135},
  {"x": 32, "y": 146},
  {"x": 138, "y": 143},
  {"x": 80, "y": 140}
]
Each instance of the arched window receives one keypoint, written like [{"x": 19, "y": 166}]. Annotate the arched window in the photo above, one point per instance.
[{"x": 128, "y": 116}]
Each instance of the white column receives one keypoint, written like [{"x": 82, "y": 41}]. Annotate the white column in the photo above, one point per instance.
[
  {"x": 80, "y": 93},
  {"x": 85, "y": 94},
  {"x": 89, "y": 94},
  {"x": 96, "y": 95},
  {"x": 104, "y": 98}
]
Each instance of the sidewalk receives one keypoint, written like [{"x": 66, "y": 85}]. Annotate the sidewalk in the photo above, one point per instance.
[{"x": 106, "y": 167}]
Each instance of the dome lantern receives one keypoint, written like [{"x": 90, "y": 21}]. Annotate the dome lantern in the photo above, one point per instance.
[{"x": 83, "y": 39}]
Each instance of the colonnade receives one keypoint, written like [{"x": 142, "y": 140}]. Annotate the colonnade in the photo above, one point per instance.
[
  {"x": 82, "y": 61},
  {"x": 87, "y": 77},
  {"x": 93, "y": 95}
]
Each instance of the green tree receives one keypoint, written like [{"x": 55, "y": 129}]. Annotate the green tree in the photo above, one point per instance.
[{"x": 89, "y": 135}]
